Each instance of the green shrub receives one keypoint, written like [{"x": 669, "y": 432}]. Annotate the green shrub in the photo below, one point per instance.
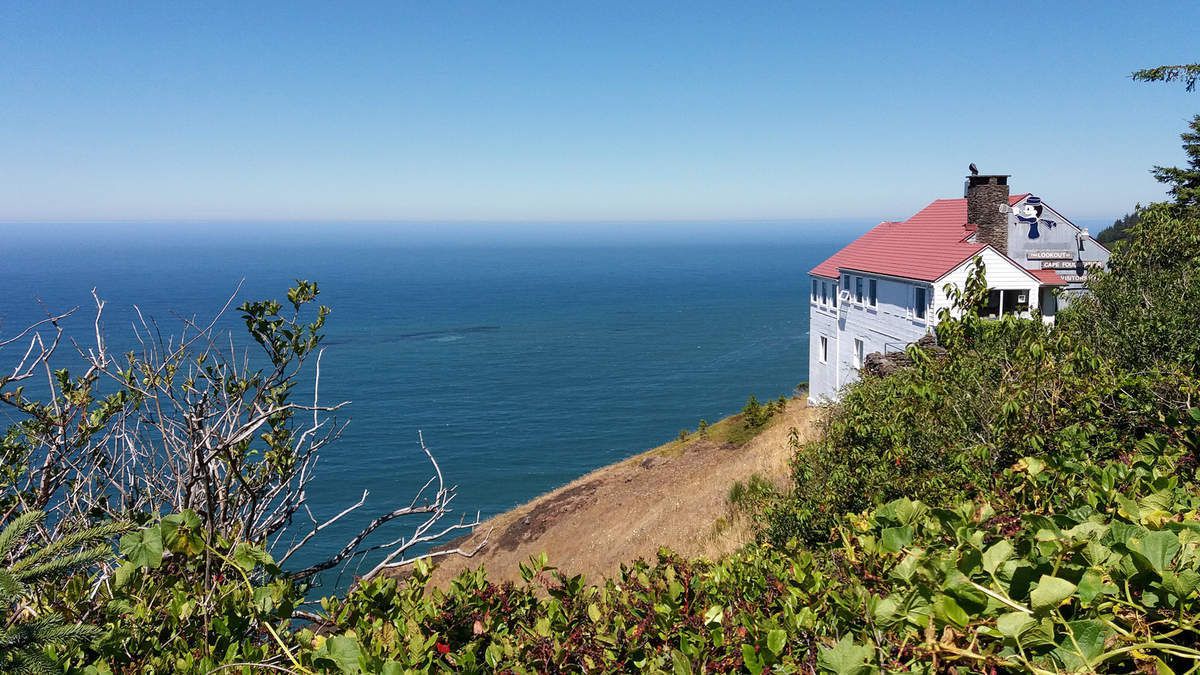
[
  {"x": 946, "y": 426},
  {"x": 1141, "y": 313},
  {"x": 183, "y": 601},
  {"x": 1076, "y": 567}
]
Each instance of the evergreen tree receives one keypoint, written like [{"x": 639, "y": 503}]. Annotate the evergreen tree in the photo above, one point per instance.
[
  {"x": 1119, "y": 230},
  {"x": 1185, "y": 182}
]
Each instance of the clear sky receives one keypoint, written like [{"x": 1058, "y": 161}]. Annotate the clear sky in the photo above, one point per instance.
[{"x": 578, "y": 111}]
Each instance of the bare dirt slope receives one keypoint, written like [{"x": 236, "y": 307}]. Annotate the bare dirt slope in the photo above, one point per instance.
[{"x": 673, "y": 496}]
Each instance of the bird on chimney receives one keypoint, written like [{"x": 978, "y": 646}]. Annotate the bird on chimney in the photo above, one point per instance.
[{"x": 974, "y": 169}]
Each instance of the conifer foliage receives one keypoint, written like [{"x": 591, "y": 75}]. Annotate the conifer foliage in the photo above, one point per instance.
[{"x": 27, "y": 564}]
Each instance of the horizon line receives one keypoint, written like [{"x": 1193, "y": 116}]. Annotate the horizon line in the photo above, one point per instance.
[{"x": 462, "y": 221}]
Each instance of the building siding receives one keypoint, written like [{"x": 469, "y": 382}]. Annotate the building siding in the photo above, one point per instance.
[
  {"x": 1062, "y": 237},
  {"x": 822, "y": 377},
  {"x": 1001, "y": 274},
  {"x": 889, "y": 326}
]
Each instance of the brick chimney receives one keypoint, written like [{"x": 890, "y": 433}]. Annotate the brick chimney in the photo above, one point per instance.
[{"x": 987, "y": 209}]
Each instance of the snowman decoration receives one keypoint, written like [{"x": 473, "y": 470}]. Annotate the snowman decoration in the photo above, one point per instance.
[{"x": 1031, "y": 214}]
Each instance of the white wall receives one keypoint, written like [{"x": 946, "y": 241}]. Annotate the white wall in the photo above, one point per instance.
[
  {"x": 822, "y": 378},
  {"x": 1001, "y": 274},
  {"x": 888, "y": 326}
]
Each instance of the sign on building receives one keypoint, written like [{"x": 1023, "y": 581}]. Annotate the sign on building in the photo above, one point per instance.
[{"x": 1049, "y": 254}]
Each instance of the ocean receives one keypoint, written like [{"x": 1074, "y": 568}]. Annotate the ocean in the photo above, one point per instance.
[{"x": 526, "y": 362}]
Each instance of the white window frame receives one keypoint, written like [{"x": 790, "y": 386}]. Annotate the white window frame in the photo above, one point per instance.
[
  {"x": 814, "y": 290},
  {"x": 858, "y": 290},
  {"x": 860, "y": 353},
  {"x": 824, "y": 346},
  {"x": 872, "y": 292}
]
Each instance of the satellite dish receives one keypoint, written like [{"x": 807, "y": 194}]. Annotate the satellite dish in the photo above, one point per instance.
[{"x": 973, "y": 169}]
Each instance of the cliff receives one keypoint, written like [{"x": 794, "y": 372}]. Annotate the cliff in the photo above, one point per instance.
[{"x": 674, "y": 495}]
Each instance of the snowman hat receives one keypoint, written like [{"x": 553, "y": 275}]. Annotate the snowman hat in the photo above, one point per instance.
[{"x": 1033, "y": 201}]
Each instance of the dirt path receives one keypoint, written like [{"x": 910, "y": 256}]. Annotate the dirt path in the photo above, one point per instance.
[{"x": 673, "y": 496}]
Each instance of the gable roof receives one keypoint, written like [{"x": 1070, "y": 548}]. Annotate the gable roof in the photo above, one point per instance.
[{"x": 925, "y": 247}]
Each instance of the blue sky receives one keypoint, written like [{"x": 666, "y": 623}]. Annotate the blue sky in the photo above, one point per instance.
[{"x": 578, "y": 111}]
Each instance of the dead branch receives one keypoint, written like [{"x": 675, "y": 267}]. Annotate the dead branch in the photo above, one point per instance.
[{"x": 184, "y": 422}]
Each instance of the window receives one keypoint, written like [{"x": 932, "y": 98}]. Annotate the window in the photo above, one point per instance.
[
  {"x": 824, "y": 293},
  {"x": 846, "y": 282},
  {"x": 920, "y": 303},
  {"x": 1002, "y": 302},
  {"x": 833, "y": 293},
  {"x": 873, "y": 293},
  {"x": 858, "y": 290},
  {"x": 824, "y": 349},
  {"x": 858, "y": 352},
  {"x": 814, "y": 291}
]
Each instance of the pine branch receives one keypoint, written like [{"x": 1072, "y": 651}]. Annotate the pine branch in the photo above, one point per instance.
[
  {"x": 1188, "y": 73},
  {"x": 15, "y": 530}
]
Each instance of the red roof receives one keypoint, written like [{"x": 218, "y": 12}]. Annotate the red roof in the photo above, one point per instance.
[
  {"x": 924, "y": 247},
  {"x": 1048, "y": 277}
]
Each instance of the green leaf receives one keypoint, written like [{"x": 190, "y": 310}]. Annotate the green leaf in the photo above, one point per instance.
[
  {"x": 1092, "y": 585},
  {"x": 1032, "y": 465},
  {"x": 845, "y": 658},
  {"x": 965, "y": 593},
  {"x": 1155, "y": 550},
  {"x": 143, "y": 548},
  {"x": 493, "y": 655},
  {"x": 1050, "y": 593},
  {"x": 344, "y": 652},
  {"x": 996, "y": 555},
  {"x": 715, "y": 614},
  {"x": 949, "y": 611},
  {"x": 247, "y": 556},
  {"x": 181, "y": 533},
  {"x": 680, "y": 663},
  {"x": 894, "y": 539},
  {"x": 776, "y": 640},
  {"x": 1013, "y": 624},
  {"x": 1181, "y": 584},
  {"x": 1089, "y": 637},
  {"x": 751, "y": 660},
  {"x": 123, "y": 574}
]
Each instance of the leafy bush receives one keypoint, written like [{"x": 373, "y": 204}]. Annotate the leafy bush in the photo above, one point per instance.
[
  {"x": 1078, "y": 567},
  {"x": 182, "y": 601},
  {"x": 1141, "y": 313}
]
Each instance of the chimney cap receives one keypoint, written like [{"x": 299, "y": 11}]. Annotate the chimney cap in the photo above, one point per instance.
[{"x": 988, "y": 179}]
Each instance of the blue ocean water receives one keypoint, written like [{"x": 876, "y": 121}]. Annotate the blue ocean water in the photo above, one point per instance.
[{"x": 525, "y": 363}]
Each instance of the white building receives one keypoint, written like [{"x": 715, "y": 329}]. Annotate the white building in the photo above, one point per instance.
[{"x": 884, "y": 290}]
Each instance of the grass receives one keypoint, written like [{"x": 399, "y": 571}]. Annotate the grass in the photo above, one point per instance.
[{"x": 732, "y": 430}]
